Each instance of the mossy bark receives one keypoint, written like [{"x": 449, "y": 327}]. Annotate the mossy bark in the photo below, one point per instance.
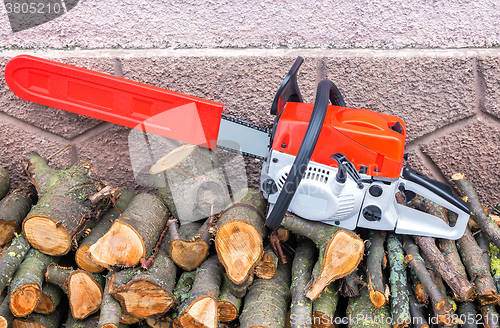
[
  {"x": 182, "y": 289},
  {"x": 4, "y": 182},
  {"x": 398, "y": 281},
  {"x": 6, "y": 317},
  {"x": 495, "y": 264},
  {"x": 13, "y": 210},
  {"x": 25, "y": 288},
  {"x": 374, "y": 262},
  {"x": 12, "y": 259},
  {"x": 240, "y": 230},
  {"x": 419, "y": 291},
  {"x": 111, "y": 310},
  {"x": 134, "y": 235},
  {"x": 301, "y": 308},
  {"x": 268, "y": 264},
  {"x": 68, "y": 201},
  {"x": 324, "y": 307},
  {"x": 82, "y": 256},
  {"x": 228, "y": 305},
  {"x": 266, "y": 302},
  {"x": 340, "y": 251}
]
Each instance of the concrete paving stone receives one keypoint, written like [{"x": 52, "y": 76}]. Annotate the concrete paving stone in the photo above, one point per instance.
[
  {"x": 15, "y": 143},
  {"x": 426, "y": 92},
  {"x": 472, "y": 150},
  {"x": 416, "y": 163},
  {"x": 489, "y": 67},
  {"x": 65, "y": 124}
]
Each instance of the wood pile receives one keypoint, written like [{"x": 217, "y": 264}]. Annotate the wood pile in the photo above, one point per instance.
[{"x": 80, "y": 253}]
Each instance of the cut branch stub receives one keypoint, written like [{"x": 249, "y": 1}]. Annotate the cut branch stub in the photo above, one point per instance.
[
  {"x": 267, "y": 266},
  {"x": 82, "y": 255},
  {"x": 340, "y": 251},
  {"x": 240, "y": 234},
  {"x": 133, "y": 235},
  {"x": 191, "y": 183},
  {"x": 68, "y": 200},
  {"x": 111, "y": 310},
  {"x": 51, "y": 297},
  {"x": 13, "y": 210}
]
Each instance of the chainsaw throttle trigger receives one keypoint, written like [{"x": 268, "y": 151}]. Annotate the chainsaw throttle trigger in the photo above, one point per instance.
[
  {"x": 327, "y": 90},
  {"x": 346, "y": 166}
]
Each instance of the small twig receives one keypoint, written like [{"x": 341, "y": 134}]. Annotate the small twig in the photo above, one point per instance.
[
  {"x": 277, "y": 246},
  {"x": 57, "y": 152},
  {"x": 146, "y": 264}
]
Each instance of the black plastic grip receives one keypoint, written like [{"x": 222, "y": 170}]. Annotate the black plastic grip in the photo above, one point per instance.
[
  {"x": 326, "y": 91},
  {"x": 288, "y": 90}
]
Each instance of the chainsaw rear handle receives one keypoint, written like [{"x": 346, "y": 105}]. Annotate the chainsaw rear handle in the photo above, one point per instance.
[{"x": 327, "y": 90}]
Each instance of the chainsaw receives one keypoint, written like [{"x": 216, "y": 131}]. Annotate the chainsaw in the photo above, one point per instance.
[{"x": 324, "y": 162}]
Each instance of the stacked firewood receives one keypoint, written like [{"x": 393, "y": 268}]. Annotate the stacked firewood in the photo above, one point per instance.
[{"x": 80, "y": 253}]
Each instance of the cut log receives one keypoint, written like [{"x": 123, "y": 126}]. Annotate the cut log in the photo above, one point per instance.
[
  {"x": 419, "y": 291},
  {"x": 111, "y": 310},
  {"x": 189, "y": 244},
  {"x": 374, "y": 262},
  {"x": 12, "y": 259},
  {"x": 240, "y": 234},
  {"x": 283, "y": 234},
  {"x": 472, "y": 257},
  {"x": 68, "y": 201},
  {"x": 6, "y": 317},
  {"x": 4, "y": 182},
  {"x": 400, "y": 303},
  {"x": 25, "y": 289},
  {"x": 191, "y": 183},
  {"x": 477, "y": 211},
  {"x": 467, "y": 313},
  {"x": 490, "y": 316},
  {"x": 51, "y": 298},
  {"x": 84, "y": 290},
  {"x": 162, "y": 322},
  {"x": 266, "y": 302},
  {"x": 228, "y": 305},
  {"x": 419, "y": 319},
  {"x": 364, "y": 314},
  {"x": 200, "y": 310},
  {"x": 182, "y": 289},
  {"x": 133, "y": 235},
  {"x": 37, "y": 320},
  {"x": 148, "y": 293},
  {"x": 324, "y": 308},
  {"x": 340, "y": 251},
  {"x": 301, "y": 307},
  {"x": 267, "y": 265},
  {"x": 13, "y": 210},
  {"x": 82, "y": 255}
]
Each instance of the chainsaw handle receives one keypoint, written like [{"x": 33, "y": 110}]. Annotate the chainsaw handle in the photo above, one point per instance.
[{"x": 327, "y": 90}]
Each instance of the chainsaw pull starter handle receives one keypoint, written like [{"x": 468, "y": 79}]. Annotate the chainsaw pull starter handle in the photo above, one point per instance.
[{"x": 327, "y": 90}]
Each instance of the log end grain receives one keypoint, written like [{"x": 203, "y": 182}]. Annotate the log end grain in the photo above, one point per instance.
[
  {"x": 227, "y": 311},
  {"x": 202, "y": 313},
  {"x": 239, "y": 248},
  {"x": 458, "y": 176},
  {"x": 188, "y": 254},
  {"x": 342, "y": 256},
  {"x": 4, "y": 323},
  {"x": 47, "y": 235},
  {"x": 46, "y": 305},
  {"x": 84, "y": 294},
  {"x": 24, "y": 300},
  {"x": 121, "y": 245},
  {"x": 84, "y": 260},
  {"x": 266, "y": 268},
  {"x": 142, "y": 299},
  {"x": 173, "y": 158},
  {"x": 8, "y": 229},
  {"x": 378, "y": 299}
]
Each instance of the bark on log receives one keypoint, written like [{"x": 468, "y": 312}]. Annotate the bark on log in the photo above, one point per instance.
[
  {"x": 69, "y": 200},
  {"x": 189, "y": 244},
  {"x": 495, "y": 265},
  {"x": 90, "y": 322},
  {"x": 400, "y": 303},
  {"x": 84, "y": 289},
  {"x": 267, "y": 265},
  {"x": 467, "y": 313},
  {"x": 182, "y": 289},
  {"x": 133, "y": 235},
  {"x": 472, "y": 257},
  {"x": 418, "y": 318},
  {"x": 111, "y": 310},
  {"x": 241, "y": 290},
  {"x": 36, "y": 320},
  {"x": 324, "y": 307},
  {"x": 6, "y": 317},
  {"x": 374, "y": 262},
  {"x": 4, "y": 182},
  {"x": 51, "y": 298},
  {"x": 82, "y": 255},
  {"x": 480, "y": 216},
  {"x": 340, "y": 251},
  {"x": 25, "y": 288},
  {"x": 240, "y": 234},
  {"x": 419, "y": 291},
  {"x": 148, "y": 293},
  {"x": 228, "y": 305},
  {"x": 301, "y": 307},
  {"x": 12, "y": 259},
  {"x": 13, "y": 210},
  {"x": 490, "y": 316},
  {"x": 200, "y": 310},
  {"x": 266, "y": 302},
  {"x": 483, "y": 242},
  {"x": 364, "y": 314},
  {"x": 191, "y": 183}
]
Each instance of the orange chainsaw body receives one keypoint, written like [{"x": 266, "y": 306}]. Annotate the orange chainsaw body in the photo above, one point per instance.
[{"x": 364, "y": 137}]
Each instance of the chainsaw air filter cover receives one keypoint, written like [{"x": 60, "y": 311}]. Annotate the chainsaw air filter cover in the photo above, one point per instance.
[{"x": 366, "y": 138}]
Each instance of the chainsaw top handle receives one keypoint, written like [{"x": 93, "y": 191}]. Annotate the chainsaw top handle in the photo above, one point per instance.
[{"x": 327, "y": 90}]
